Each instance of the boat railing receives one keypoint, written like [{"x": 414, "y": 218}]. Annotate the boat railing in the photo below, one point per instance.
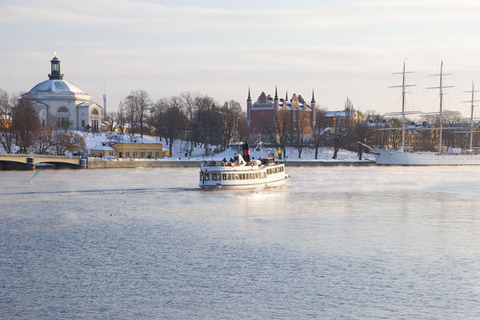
[{"x": 221, "y": 163}]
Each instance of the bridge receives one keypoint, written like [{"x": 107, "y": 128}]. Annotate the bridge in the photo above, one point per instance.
[{"x": 29, "y": 160}]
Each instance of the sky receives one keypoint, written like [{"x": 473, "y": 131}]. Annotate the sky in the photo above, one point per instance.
[{"x": 340, "y": 49}]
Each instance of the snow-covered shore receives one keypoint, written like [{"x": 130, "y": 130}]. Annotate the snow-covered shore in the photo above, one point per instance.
[{"x": 198, "y": 154}]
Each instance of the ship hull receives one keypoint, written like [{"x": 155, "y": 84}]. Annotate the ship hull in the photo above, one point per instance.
[{"x": 390, "y": 157}]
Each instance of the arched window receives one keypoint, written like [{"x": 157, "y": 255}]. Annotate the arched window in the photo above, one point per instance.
[
  {"x": 63, "y": 117},
  {"x": 95, "y": 111}
]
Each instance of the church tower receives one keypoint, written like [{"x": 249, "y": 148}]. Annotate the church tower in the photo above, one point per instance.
[
  {"x": 276, "y": 103},
  {"x": 313, "y": 105},
  {"x": 249, "y": 107},
  {"x": 55, "y": 67}
]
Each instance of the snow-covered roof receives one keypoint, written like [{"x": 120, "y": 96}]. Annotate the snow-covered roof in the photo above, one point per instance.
[
  {"x": 104, "y": 148},
  {"x": 341, "y": 113},
  {"x": 56, "y": 86},
  {"x": 86, "y": 104}
]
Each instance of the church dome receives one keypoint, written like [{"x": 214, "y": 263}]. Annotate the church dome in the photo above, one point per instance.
[{"x": 56, "y": 86}]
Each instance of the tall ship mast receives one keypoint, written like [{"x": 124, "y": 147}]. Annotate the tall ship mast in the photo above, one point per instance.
[
  {"x": 425, "y": 158},
  {"x": 403, "y": 86},
  {"x": 441, "y": 87}
]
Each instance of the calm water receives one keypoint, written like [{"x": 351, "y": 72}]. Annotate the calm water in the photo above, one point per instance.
[{"x": 340, "y": 243}]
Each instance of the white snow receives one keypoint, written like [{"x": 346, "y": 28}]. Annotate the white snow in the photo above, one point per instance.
[
  {"x": 179, "y": 149},
  {"x": 101, "y": 141}
]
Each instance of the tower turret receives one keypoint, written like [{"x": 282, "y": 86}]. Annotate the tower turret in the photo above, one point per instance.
[
  {"x": 249, "y": 106},
  {"x": 55, "y": 69},
  {"x": 313, "y": 105}
]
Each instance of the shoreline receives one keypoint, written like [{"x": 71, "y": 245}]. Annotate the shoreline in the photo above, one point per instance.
[{"x": 96, "y": 163}]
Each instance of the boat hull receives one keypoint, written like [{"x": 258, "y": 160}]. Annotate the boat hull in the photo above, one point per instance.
[
  {"x": 243, "y": 177},
  {"x": 246, "y": 186},
  {"x": 391, "y": 157}
]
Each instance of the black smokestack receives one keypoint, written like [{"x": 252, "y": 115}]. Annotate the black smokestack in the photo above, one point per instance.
[{"x": 246, "y": 152}]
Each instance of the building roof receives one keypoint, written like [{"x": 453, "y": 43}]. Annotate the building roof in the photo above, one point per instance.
[
  {"x": 56, "y": 86},
  {"x": 86, "y": 104},
  {"x": 339, "y": 114}
]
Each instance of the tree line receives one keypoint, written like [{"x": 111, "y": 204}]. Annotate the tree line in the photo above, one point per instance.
[
  {"x": 199, "y": 120},
  {"x": 192, "y": 117}
]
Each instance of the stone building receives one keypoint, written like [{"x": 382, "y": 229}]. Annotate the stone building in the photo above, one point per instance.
[{"x": 61, "y": 103}]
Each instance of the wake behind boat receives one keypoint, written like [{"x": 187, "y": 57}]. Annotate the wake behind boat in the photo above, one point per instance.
[
  {"x": 241, "y": 172},
  {"x": 451, "y": 158}
]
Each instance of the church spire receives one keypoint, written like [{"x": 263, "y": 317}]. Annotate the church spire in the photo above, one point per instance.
[
  {"x": 55, "y": 69},
  {"x": 249, "y": 98},
  {"x": 276, "y": 95},
  {"x": 313, "y": 95}
]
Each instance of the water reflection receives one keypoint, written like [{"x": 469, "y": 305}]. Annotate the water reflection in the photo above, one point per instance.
[{"x": 339, "y": 243}]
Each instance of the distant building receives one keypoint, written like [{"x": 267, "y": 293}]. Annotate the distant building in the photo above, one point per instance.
[
  {"x": 335, "y": 118},
  {"x": 63, "y": 103},
  {"x": 263, "y": 114},
  {"x": 131, "y": 150}
]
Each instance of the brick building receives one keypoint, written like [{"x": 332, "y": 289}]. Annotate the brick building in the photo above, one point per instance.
[{"x": 264, "y": 114}]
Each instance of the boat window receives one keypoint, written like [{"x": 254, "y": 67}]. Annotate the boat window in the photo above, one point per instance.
[
  {"x": 207, "y": 176},
  {"x": 225, "y": 176},
  {"x": 229, "y": 176},
  {"x": 201, "y": 176},
  {"x": 236, "y": 177}
]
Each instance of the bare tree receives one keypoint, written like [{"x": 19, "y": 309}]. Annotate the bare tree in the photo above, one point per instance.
[
  {"x": 279, "y": 132},
  {"x": 169, "y": 119},
  {"x": 232, "y": 116},
  {"x": 7, "y": 132},
  {"x": 340, "y": 134},
  {"x": 111, "y": 119},
  {"x": 44, "y": 139},
  {"x": 68, "y": 141},
  {"x": 300, "y": 119},
  {"x": 25, "y": 122},
  {"x": 189, "y": 101},
  {"x": 207, "y": 122},
  {"x": 319, "y": 134},
  {"x": 121, "y": 119},
  {"x": 136, "y": 106}
]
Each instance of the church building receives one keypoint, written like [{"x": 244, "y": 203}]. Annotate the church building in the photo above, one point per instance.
[
  {"x": 266, "y": 111},
  {"x": 62, "y": 103}
]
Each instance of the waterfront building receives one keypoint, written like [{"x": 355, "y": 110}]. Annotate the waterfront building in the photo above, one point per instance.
[
  {"x": 61, "y": 103},
  {"x": 265, "y": 115},
  {"x": 131, "y": 150},
  {"x": 333, "y": 119}
]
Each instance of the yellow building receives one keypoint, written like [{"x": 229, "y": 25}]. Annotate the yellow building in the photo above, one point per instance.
[{"x": 132, "y": 150}]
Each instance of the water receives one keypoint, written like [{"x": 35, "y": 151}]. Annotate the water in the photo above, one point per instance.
[{"x": 340, "y": 243}]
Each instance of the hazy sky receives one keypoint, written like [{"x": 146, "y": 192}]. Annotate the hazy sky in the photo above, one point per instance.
[{"x": 221, "y": 48}]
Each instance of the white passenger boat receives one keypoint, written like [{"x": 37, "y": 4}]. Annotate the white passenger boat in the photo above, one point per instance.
[{"x": 241, "y": 172}]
